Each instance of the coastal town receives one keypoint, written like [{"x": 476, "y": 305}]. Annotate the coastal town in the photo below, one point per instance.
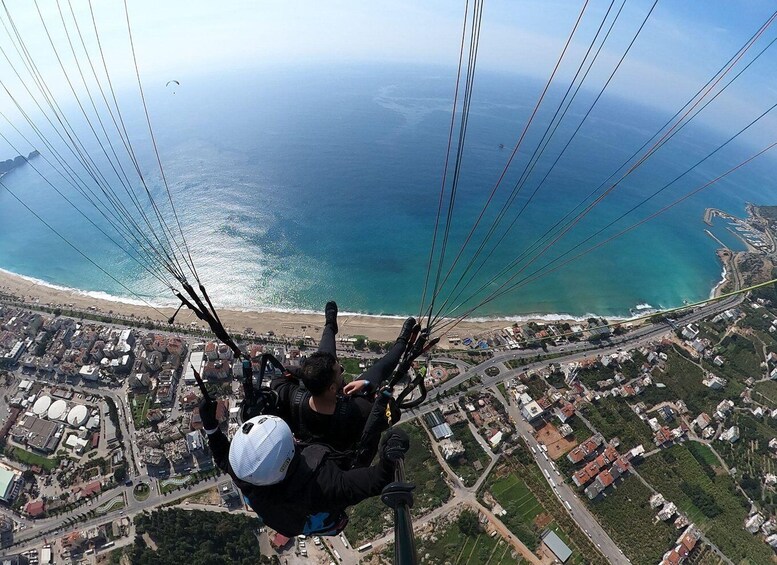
[
  {"x": 570, "y": 442},
  {"x": 645, "y": 441}
]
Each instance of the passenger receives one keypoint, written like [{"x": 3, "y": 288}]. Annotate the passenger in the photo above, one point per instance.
[
  {"x": 323, "y": 409},
  {"x": 296, "y": 489}
]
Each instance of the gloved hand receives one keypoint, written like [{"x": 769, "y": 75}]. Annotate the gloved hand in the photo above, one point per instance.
[
  {"x": 208, "y": 414},
  {"x": 395, "y": 444}
]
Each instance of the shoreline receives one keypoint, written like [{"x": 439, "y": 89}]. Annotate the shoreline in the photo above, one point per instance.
[{"x": 283, "y": 323}]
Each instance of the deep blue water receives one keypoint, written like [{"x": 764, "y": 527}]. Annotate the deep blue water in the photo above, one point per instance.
[{"x": 297, "y": 186}]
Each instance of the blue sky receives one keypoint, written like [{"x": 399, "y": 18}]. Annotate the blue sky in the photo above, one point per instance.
[{"x": 682, "y": 44}]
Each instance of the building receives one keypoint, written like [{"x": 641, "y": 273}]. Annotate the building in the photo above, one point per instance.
[
  {"x": 532, "y": 411},
  {"x": 229, "y": 494},
  {"x": 10, "y": 485},
  {"x": 451, "y": 449},
  {"x": 6, "y": 532},
  {"x": 667, "y": 511},
  {"x": 194, "y": 442},
  {"x": 730, "y": 435},
  {"x": 556, "y": 546},
  {"x": 195, "y": 361},
  {"x": 754, "y": 523},
  {"x": 35, "y": 508},
  {"x": 37, "y": 434},
  {"x": 702, "y": 421}
]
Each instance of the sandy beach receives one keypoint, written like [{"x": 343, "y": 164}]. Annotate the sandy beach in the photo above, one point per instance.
[{"x": 378, "y": 328}]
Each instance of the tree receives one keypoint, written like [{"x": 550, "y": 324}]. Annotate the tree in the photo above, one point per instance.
[
  {"x": 360, "y": 343},
  {"x": 468, "y": 523},
  {"x": 120, "y": 474}
]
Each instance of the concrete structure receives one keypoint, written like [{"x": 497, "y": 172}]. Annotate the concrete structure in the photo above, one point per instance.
[
  {"x": 77, "y": 416},
  {"x": 58, "y": 410},
  {"x": 41, "y": 406}
]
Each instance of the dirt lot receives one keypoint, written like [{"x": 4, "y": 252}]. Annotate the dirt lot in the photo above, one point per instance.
[{"x": 557, "y": 446}]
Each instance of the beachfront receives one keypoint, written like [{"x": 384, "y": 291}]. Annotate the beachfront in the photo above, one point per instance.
[{"x": 379, "y": 328}]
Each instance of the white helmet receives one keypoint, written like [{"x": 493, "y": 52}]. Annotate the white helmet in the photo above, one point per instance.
[{"x": 262, "y": 450}]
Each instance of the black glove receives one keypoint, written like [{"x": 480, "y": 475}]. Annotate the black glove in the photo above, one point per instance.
[
  {"x": 208, "y": 414},
  {"x": 395, "y": 444}
]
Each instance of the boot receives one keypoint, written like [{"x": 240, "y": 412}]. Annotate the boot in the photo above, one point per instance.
[
  {"x": 407, "y": 329},
  {"x": 330, "y": 315}
]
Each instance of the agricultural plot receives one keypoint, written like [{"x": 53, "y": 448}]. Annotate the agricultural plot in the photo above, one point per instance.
[
  {"x": 451, "y": 545},
  {"x": 371, "y": 517},
  {"x": 614, "y": 418},
  {"x": 712, "y": 502},
  {"x": 627, "y": 517},
  {"x": 743, "y": 359},
  {"x": 531, "y": 508},
  {"x": 751, "y": 455}
]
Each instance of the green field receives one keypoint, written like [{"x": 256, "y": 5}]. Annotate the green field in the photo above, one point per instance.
[
  {"x": 743, "y": 359},
  {"x": 472, "y": 452},
  {"x": 371, "y": 517},
  {"x": 766, "y": 393},
  {"x": 351, "y": 366},
  {"x": 451, "y": 545},
  {"x": 713, "y": 503},
  {"x": 29, "y": 458},
  {"x": 613, "y": 417},
  {"x": 627, "y": 517}
]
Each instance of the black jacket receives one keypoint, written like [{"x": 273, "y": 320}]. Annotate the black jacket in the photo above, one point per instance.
[
  {"x": 313, "y": 484},
  {"x": 341, "y": 430}
]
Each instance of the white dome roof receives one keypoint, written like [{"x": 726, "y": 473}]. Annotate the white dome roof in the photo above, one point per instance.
[
  {"x": 41, "y": 405},
  {"x": 57, "y": 410},
  {"x": 77, "y": 415}
]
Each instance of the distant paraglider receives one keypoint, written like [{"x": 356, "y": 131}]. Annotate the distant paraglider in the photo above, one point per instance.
[{"x": 175, "y": 84}]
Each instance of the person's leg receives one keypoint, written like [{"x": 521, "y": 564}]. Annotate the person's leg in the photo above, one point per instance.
[
  {"x": 383, "y": 367},
  {"x": 327, "y": 343}
]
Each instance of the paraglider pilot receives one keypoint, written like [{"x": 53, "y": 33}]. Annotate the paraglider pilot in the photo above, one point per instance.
[{"x": 296, "y": 489}]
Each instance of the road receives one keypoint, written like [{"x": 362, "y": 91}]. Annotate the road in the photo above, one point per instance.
[{"x": 576, "y": 509}]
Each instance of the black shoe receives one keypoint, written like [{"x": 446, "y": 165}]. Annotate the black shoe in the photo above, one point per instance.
[
  {"x": 407, "y": 329},
  {"x": 330, "y": 314}
]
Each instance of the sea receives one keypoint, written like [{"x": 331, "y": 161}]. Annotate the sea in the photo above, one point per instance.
[{"x": 294, "y": 186}]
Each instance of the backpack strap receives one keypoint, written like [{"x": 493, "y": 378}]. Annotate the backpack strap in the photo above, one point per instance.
[{"x": 300, "y": 397}]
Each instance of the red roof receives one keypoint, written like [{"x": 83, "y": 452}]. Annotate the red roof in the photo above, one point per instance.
[
  {"x": 35, "y": 509},
  {"x": 672, "y": 558},
  {"x": 92, "y": 488},
  {"x": 279, "y": 540},
  {"x": 605, "y": 478},
  {"x": 576, "y": 455},
  {"x": 689, "y": 540},
  {"x": 568, "y": 410}
]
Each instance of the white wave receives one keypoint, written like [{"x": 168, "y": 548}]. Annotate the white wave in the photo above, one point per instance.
[{"x": 644, "y": 306}]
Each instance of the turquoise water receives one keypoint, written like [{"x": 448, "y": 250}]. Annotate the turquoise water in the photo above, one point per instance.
[{"x": 297, "y": 186}]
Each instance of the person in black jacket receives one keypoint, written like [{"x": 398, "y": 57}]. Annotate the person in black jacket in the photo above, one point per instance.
[
  {"x": 296, "y": 489},
  {"x": 323, "y": 409}
]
